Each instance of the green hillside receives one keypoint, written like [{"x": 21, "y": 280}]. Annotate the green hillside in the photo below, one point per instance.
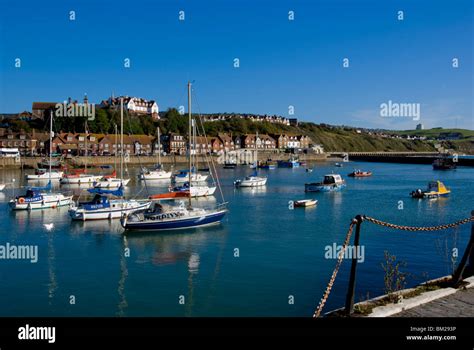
[{"x": 435, "y": 132}]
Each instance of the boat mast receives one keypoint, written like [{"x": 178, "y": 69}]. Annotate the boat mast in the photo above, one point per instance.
[
  {"x": 121, "y": 138},
  {"x": 85, "y": 161},
  {"x": 159, "y": 145},
  {"x": 116, "y": 148},
  {"x": 189, "y": 138},
  {"x": 256, "y": 151},
  {"x": 50, "y": 144}
]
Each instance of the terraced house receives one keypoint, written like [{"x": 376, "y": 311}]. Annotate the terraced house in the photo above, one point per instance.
[{"x": 26, "y": 142}]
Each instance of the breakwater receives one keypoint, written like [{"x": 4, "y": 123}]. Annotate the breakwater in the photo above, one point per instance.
[{"x": 399, "y": 157}]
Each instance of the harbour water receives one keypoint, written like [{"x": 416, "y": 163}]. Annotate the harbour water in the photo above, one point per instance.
[{"x": 264, "y": 260}]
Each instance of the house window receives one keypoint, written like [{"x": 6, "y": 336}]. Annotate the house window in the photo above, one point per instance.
[
  {"x": 92, "y": 138},
  {"x": 69, "y": 138},
  {"x": 81, "y": 138}
]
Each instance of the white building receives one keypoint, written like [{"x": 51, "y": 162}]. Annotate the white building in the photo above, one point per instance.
[
  {"x": 136, "y": 105},
  {"x": 420, "y": 127}
]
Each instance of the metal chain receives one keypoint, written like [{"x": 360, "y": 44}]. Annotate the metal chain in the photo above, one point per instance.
[
  {"x": 336, "y": 270},
  {"x": 321, "y": 304},
  {"x": 414, "y": 228}
]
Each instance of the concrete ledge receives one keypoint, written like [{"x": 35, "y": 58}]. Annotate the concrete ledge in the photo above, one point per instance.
[{"x": 392, "y": 309}]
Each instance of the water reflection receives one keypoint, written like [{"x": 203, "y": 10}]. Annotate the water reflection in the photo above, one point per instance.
[
  {"x": 123, "y": 304},
  {"x": 251, "y": 190},
  {"x": 185, "y": 247}
]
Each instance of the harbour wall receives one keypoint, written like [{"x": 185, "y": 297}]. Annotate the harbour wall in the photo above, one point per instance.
[{"x": 32, "y": 162}]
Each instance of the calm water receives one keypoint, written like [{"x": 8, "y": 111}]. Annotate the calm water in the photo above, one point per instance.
[{"x": 281, "y": 251}]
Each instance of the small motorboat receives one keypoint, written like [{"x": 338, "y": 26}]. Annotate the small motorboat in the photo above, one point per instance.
[
  {"x": 2, "y": 186},
  {"x": 330, "y": 183},
  {"x": 435, "y": 189},
  {"x": 309, "y": 170},
  {"x": 304, "y": 203},
  {"x": 360, "y": 173},
  {"x": 339, "y": 165}
]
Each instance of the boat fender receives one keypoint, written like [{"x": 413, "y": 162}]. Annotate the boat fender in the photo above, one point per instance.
[{"x": 21, "y": 200}]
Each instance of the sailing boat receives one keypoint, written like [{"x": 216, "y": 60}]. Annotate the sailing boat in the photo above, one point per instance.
[
  {"x": 158, "y": 173},
  {"x": 195, "y": 188},
  {"x": 41, "y": 197},
  {"x": 101, "y": 206},
  {"x": 111, "y": 181},
  {"x": 161, "y": 217},
  {"x": 253, "y": 180},
  {"x": 191, "y": 175},
  {"x": 78, "y": 177}
]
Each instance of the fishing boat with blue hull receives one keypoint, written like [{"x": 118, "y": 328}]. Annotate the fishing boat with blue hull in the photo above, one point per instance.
[
  {"x": 102, "y": 207},
  {"x": 330, "y": 183},
  {"x": 268, "y": 165},
  {"x": 291, "y": 163}
]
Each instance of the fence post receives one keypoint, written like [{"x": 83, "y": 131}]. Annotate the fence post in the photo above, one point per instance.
[
  {"x": 468, "y": 254},
  {"x": 352, "y": 278}
]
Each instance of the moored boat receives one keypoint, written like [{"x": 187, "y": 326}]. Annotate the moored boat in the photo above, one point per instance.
[
  {"x": 269, "y": 165},
  {"x": 360, "y": 173},
  {"x": 161, "y": 218},
  {"x": 155, "y": 174},
  {"x": 183, "y": 176},
  {"x": 2, "y": 186},
  {"x": 79, "y": 179},
  {"x": 110, "y": 182},
  {"x": 291, "y": 163},
  {"x": 43, "y": 174},
  {"x": 444, "y": 163},
  {"x": 196, "y": 190},
  {"x": 158, "y": 173},
  {"x": 39, "y": 198},
  {"x": 303, "y": 203},
  {"x": 251, "y": 181},
  {"x": 102, "y": 207},
  {"x": 331, "y": 182}
]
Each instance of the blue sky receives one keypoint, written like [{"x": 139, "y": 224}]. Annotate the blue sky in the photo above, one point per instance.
[{"x": 282, "y": 62}]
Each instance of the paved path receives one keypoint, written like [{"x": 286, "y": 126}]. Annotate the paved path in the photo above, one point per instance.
[{"x": 459, "y": 304}]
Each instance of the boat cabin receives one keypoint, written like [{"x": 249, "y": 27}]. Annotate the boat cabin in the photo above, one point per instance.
[{"x": 332, "y": 179}]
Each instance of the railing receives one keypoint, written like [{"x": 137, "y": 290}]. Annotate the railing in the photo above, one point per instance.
[{"x": 357, "y": 222}]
